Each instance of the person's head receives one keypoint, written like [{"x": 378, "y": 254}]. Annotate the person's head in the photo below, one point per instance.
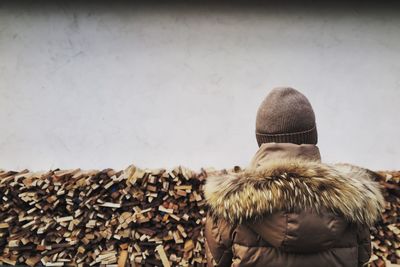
[{"x": 286, "y": 116}]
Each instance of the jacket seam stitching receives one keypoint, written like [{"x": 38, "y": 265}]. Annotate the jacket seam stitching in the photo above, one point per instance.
[
  {"x": 293, "y": 252},
  {"x": 286, "y": 230}
]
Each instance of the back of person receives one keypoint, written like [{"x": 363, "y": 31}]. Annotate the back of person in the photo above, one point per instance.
[{"x": 288, "y": 208}]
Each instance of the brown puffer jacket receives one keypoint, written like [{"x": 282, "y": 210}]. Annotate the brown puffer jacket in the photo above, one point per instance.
[{"x": 289, "y": 209}]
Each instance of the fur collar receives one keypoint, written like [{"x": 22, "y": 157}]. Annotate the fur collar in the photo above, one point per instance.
[{"x": 295, "y": 184}]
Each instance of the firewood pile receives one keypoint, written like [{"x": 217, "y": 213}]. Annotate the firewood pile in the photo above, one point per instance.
[
  {"x": 133, "y": 217},
  {"x": 386, "y": 235}
]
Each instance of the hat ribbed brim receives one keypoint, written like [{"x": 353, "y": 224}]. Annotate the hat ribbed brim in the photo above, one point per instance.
[{"x": 304, "y": 137}]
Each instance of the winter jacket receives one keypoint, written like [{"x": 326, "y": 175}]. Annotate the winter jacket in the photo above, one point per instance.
[{"x": 290, "y": 209}]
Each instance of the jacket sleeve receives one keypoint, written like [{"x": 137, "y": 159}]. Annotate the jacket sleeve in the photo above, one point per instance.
[
  {"x": 364, "y": 245},
  {"x": 218, "y": 245}
]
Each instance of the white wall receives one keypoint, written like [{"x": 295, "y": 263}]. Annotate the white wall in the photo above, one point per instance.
[{"x": 101, "y": 86}]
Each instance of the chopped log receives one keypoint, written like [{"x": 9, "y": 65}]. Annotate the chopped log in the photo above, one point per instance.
[
  {"x": 32, "y": 261},
  {"x": 189, "y": 245},
  {"x": 163, "y": 256},
  {"x": 123, "y": 256}
]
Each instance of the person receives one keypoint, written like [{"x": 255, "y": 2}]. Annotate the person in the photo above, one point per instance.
[{"x": 288, "y": 208}]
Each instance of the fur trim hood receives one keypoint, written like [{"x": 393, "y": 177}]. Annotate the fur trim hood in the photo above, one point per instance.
[{"x": 293, "y": 185}]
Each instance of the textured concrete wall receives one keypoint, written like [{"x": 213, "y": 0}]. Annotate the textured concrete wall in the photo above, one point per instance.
[{"x": 104, "y": 85}]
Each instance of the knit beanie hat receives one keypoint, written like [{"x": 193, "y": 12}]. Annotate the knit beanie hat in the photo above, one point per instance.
[{"x": 286, "y": 116}]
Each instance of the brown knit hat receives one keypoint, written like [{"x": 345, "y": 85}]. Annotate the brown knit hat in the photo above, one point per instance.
[{"x": 286, "y": 116}]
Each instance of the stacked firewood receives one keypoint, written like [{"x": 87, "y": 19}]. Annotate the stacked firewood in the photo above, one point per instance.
[
  {"x": 133, "y": 217},
  {"x": 386, "y": 235}
]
